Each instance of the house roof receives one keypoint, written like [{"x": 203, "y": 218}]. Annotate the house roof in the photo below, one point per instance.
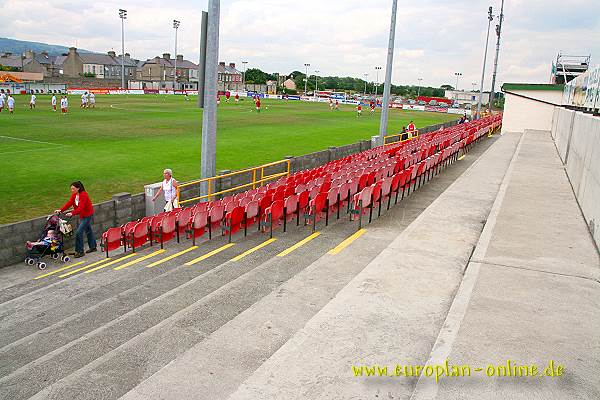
[
  {"x": 168, "y": 63},
  {"x": 59, "y": 60},
  {"x": 186, "y": 64},
  {"x": 130, "y": 62},
  {"x": 102, "y": 59},
  {"x": 11, "y": 61},
  {"x": 45, "y": 59},
  {"x": 226, "y": 69}
]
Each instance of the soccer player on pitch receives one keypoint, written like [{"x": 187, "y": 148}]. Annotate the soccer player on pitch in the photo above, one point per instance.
[
  {"x": 359, "y": 110},
  {"x": 237, "y": 98},
  {"x": 2, "y": 100},
  {"x": 53, "y": 102},
  {"x": 11, "y": 104},
  {"x": 372, "y": 107},
  {"x": 257, "y": 104},
  {"x": 92, "y": 100},
  {"x": 32, "y": 102}
]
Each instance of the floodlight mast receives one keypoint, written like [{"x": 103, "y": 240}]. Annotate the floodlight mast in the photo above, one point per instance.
[
  {"x": 490, "y": 19},
  {"x": 176, "y": 26},
  {"x": 383, "y": 124},
  {"x": 123, "y": 16}
]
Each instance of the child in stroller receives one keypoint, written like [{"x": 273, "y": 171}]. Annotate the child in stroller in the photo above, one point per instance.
[{"x": 50, "y": 243}]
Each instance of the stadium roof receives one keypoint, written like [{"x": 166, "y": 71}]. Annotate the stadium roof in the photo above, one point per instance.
[{"x": 532, "y": 86}]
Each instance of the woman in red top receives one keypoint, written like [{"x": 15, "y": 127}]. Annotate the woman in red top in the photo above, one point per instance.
[{"x": 82, "y": 206}]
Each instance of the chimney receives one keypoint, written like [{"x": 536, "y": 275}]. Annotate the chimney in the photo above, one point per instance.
[
  {"x": 29, "y": 54},
  {"x": 179, "y": 57},
  {"x": 166, "y": 56},
  {"x": 112, "y": 54},
  {"x": 232, "y": 65},
  {"x": 127, "y": 55},
  {"x": 72, "y": 50},
  {"x": 222, "y": 63}
]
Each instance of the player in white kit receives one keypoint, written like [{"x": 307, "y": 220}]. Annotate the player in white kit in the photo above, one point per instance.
[
  {"x": 32, "y": 102},
  {"x": 92, "y": 100},
  {"x": 84, "y": 100},
  {"x": 2, "y": 101},
  {"x": 11, "y": 104},
  {"x": 53, "y": 102}
]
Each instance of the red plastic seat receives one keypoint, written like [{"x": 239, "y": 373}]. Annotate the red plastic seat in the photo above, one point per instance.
[
  {"x": 386, "y": 191},
  {"x": 251, "y": 215},
  {"x": 165, "y": 229},
  {"x": 233, "y": 221},
  {"x": 197, "y": 225},
  {"x": 331, "y": 203},
  {"x": 290, "y": 207},
  {"x": 303, "y": 200},
  {"x": 139, "y": 236},
  {"x": 360, "y": 202},
  {"x": 112, "y": 239},
  {"x": 215, "y": 216},
  {"x": 272, "y": 216},
  {"x": 316, "y": 207},
  {"x": 182, "y": 221}
]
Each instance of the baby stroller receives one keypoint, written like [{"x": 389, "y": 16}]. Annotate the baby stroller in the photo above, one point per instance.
[{"x": 49, "y": 246}]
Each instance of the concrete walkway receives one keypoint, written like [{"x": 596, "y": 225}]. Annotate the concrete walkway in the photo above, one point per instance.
[
  {"x": 392, "y": 312},
  {"x": 530, "y": 294},
  {"x": 534, "y": 291}
]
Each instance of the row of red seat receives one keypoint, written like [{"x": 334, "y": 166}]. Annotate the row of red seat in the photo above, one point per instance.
[{"x": 354, "y": 184}]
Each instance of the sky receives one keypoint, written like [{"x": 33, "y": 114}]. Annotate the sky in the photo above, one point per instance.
[{"x": 434, "y": 38}]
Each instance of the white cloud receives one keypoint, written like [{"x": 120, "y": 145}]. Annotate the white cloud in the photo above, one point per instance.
[{"x": 434, "y": 38}]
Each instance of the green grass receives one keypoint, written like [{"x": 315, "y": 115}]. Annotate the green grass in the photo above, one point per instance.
[{"x": 127, "y": 141}]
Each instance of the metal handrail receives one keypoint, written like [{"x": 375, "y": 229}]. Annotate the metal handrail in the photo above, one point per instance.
[
  {"x": 254, "y": 182},
  {"x": 412, "y": 135}
]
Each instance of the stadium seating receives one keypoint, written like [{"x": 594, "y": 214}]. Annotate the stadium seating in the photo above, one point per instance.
[{"x": 348, "y": 185}]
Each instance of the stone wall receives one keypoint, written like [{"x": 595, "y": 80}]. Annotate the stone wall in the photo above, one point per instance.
[{"x": 122, "y": 208}]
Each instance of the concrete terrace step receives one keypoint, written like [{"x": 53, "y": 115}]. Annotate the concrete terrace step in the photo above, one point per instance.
[
  {"x": 392, "y": 311},
  {"x": 120, "y": 327}
]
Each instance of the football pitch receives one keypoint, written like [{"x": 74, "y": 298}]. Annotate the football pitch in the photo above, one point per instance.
[{"x": 127, "y": 141}]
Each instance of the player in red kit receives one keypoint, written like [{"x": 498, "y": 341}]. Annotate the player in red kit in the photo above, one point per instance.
[
  {"x": 257, "y": 104},
  {"x": 359, "y": 110}
]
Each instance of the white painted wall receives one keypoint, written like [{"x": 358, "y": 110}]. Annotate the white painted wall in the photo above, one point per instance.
[
  {"x": 521, "y": 113},
  {"x": 577, "y": 138}
]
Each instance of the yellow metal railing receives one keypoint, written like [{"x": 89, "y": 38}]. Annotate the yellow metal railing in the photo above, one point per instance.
[
  {"x": 411, "y": 135},
  {"x": 211, "y": 182}
]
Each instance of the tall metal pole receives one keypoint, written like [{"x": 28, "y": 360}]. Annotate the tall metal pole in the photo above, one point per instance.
[
  {"x": 306, "y": 78},
  {"x": 376, "y": 79},
  {"x": 202, "y": 62},
  {"x": 123, "y": 16},
  {"x": 419, "y": 87},
  {"x": 383, "y": 124},
  {"x": 209, "y": 115},
  {"x": 176, "y": 26},
  {"x": 498, "y": 33},
  {"x": 244, "y": 76},
  {"x": 366, "y": 75},
  {"x": 490, "y": 19},
  {"x": 457, "y": 74},
  {"x": 316, "y": 83}
]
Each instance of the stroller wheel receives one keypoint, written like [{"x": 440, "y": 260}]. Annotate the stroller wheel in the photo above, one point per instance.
[
  {"x": 55, "y": 256},
  {"x": 41, "y": 265},
  {"x": 30, "y": 261},
  {"x": 66, "y": 259}
]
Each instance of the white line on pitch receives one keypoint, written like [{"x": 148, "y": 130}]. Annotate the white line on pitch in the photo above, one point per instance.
[{"x": 30, "y": 140}]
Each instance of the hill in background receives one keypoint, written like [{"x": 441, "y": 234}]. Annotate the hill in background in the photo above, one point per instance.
[{"x": 20, "y": 46}]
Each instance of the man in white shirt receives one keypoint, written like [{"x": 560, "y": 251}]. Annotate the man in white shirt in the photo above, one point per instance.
[
  {"x": 84, "y": 100},
  {"x": 11, "y": 104},
  {"x": 32, "y": 101},
  {"x": 64, "y": 105},
  {"x": 53, "y": 101},
  {"x": 92, "y": 102},
  {"x": 1, "y": 101}
]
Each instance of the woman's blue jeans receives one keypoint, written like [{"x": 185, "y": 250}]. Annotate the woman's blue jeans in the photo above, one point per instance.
[{"x": 85, "y": 227}]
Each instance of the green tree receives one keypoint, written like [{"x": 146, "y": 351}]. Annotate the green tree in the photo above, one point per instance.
[
  {"x": 447, "y": 87},
  {"x": 255, "y": 75}
]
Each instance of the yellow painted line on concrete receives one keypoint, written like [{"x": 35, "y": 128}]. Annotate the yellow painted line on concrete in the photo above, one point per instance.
[
  {"x": 83, "y": 268},
  {"x": 147, "y": 256},
  {"x": 58, "y": 270},
  {"x": 252, "y": 250},
  {"x": 347, "y": 242},
  {"x": 299, "y": 244},
  {"x": 461, "y": 157},
  {"x": 209, "y": 254},
  {"x": 172, "y": 256},
  {"x": 110, "y": 263}
]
